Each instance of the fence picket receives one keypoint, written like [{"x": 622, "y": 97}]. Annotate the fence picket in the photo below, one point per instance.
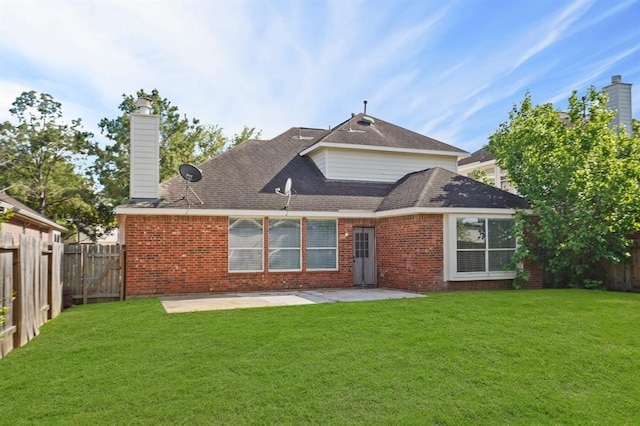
[
  {"x": 7, "y": 254},
  {"x": 31, "y": 286},
  {"x": 93, "y": 272}
]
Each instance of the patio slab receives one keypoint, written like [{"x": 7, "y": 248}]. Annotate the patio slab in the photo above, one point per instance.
[{"x": 209, "y": 302}]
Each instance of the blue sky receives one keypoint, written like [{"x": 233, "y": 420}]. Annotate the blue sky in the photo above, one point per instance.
[{"x": 451, "y": 70}]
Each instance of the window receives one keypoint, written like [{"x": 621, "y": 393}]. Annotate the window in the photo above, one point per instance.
[
  {"x": 284, "y": 245},
  {"x": 484, "y": 245},
  {"x": 245, "y": 245},
  {"x": 322, "y": 241}
]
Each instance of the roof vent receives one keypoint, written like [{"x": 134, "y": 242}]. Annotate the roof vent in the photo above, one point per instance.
[
  {"x": 351, "y": 129},
  {"x": 365, "y": 120},
  {"x": 299, "y": 135}
]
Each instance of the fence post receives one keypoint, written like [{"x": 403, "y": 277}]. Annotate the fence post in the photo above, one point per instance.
[
  {"x": 17, "y": 302},
  {"x": 8, "y": 254},
  {"x": 123, "y": 271},
  {"x": 84, "y": 259},
  {"x": 50, "y": 281}
]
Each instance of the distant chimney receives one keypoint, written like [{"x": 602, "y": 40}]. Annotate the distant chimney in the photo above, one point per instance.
[
  {"x": 620, "y": 100},
  {"x": 144, "y": 105},
  {"x": 145, "y": 152}
]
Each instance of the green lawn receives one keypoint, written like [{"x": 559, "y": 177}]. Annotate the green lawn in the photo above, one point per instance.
[{"x": 510, "y": 357}]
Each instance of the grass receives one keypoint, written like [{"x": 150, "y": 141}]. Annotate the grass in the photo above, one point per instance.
[{"x": 511, "y": 357}]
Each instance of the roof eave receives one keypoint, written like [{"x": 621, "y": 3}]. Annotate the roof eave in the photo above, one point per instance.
[
  {"x": 320, "y": 145},
  {"x": 476, "y": 164},
  {"x": 313, "y": 213},
  {"x": 34, "y": 218}
]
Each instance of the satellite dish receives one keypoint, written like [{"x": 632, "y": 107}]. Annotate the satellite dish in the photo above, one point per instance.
[
  {"x": 287, "y": 187},
  {"x": 190, "y": 173},
  {"x": 286, "y": 193}
]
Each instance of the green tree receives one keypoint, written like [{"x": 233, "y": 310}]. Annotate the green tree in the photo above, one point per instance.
[
  {"x": 245, "y": 134},
  {"x": 182, "y": 140},
  {"x": 40, "y": 153},
  {"x": 481, "y": 175},
  {"x": 581, "y": 177}
]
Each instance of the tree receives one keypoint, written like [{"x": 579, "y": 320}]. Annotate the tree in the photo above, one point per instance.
[
  {"x": 244, "y": 135},
  {"x": 182, "y": 140},
  {"x": 38, "y": 161},
  {"x": 481, "y": 175},
  {"x": 581, "y": 177}
]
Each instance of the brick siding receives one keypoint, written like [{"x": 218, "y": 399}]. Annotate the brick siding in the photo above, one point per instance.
[
  {"x": 188, "y": 254},
  {"x": 410, "y": 252}
]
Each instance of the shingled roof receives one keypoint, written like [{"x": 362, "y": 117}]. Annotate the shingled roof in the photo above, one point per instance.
[
  {"x": 369, "y": 131},
  {"x": 27, "y": 212},
  {"x": 245, "y": 177},
  {"x": 438, "y": 187},
  {"x": 479, "y": 156}
]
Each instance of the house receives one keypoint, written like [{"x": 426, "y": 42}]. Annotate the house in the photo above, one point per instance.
[
  {"x": 483, "y": 161},
  {"x": 367, "y": 203},
  {"x": 25, "y": 220}
]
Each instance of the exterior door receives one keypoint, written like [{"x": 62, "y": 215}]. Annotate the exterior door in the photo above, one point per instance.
[{"x": 364, "y": 256}]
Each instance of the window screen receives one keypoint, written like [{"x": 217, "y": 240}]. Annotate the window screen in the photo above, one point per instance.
[
  {"x": 322, "y": 244},
  {"x": 284, "y": 244},
  {"x": 484, "y": 244},
  {"x": 245, "y": 245}
]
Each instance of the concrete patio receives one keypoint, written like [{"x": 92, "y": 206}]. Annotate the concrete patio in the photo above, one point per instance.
[{"x": 209, "y": 302}]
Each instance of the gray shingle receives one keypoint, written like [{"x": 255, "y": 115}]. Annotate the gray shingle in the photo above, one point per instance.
[
  {"x": 245, "y": 177},
  {"x": 480, "y": 155},
  {"x": 356, "y": 131},
  {"x": 438, "y": 187}
]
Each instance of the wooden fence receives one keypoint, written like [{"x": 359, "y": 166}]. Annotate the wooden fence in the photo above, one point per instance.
[
  {"x": 31, "y": 288},
  {"x": 624, "y": 276},
  {"x": 94, "y": 272}
]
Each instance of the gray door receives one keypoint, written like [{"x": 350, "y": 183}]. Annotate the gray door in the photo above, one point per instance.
[{"x": 364, "y": 256}]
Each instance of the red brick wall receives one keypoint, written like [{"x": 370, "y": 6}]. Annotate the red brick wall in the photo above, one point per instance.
[
  {"x": 188, "y": 254},
  {"x": 410, "y": 252}
]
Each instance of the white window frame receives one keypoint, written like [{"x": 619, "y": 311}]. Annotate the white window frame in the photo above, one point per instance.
[
  {"x": 307, "y": 248},
  {"x": 261, "y": 248},
  {"x": 299, "y": 248},
  {"x": 450, "y": 252}
]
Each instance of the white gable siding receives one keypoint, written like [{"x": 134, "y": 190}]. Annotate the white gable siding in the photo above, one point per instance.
[
  {"x": 376, "y": 166},
  {"x": 320, "y": 159},
  {"x": 145, "y": 155}
]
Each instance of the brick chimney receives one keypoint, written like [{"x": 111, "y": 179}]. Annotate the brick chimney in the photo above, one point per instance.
[
  {"x": 145, "y": 152},
  {"x": 620, "y": 100}
]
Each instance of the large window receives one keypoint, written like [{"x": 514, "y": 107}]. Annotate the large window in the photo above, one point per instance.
[
  {"x": 484, "y": 245},
  {"x": 245, "y": 245},
  {"x": 322, "y": 242},
  {"x": 284, "y": 245}
]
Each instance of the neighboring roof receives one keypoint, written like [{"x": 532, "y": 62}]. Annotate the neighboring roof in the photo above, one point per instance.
[
  {"x": 28, "y": 213},
  {"x": 246, "y": 177},
  {"x": 438, "y": 187},
  {"x": 480, "y": 156},
  {"x": 367, "y": 131}
]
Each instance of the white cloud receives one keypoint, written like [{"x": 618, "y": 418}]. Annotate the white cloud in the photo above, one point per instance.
[
  {"x": 280, "y": 64},
  {"x": 554, "y": 28}
]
